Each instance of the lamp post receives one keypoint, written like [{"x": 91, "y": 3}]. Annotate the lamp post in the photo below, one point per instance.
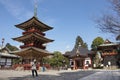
[
  {"x": 1, "y": 48},
  {"x": 2, "y": 41}
]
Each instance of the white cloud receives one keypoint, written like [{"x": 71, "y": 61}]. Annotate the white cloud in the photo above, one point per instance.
[
  {"x": 68, "y": 48},
  {"x": 16, "y": 9}
]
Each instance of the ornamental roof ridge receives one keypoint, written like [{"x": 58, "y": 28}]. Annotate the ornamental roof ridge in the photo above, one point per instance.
[{"x": 107, "y": 41}]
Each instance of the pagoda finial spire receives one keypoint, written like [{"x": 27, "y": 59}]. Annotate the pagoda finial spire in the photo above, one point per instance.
[{"x": 35, "y": 8}]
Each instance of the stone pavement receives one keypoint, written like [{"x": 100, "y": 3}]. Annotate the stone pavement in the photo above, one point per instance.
[
  {"x": 48, "y": 75},
  {"x": 62, "y": 75},
  {"x": 103, "y": 75}
]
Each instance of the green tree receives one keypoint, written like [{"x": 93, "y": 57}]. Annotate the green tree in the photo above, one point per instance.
[
  {"x": 79, "y": 41},
  {"x": 11, "y": 48},
  {"x": 46, "y": 60},
  {"x": 58, "y": 60},
  {"x": 96, "y": 42}
]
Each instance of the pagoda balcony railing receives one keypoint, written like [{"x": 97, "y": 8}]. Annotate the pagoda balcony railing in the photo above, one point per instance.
[
  {"x": 25, "y": 46},
  {"x": 109, "y": 53},
  {"x": 33, "y": 31},
  {"x": 32, "y": 45}
]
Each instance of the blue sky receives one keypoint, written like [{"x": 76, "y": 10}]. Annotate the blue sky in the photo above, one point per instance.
[{"x": 69, "y": 18}]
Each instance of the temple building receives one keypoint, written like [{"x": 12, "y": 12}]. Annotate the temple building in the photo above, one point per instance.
[
  {"x": 110, "y": 53},
  {"x": 33, "y": 39},
  {"x": 79, "y": 58},
  {"x": 6, "y": 57}
]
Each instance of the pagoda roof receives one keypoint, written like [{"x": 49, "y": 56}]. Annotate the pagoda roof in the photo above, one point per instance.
[
  {"x": 35, "y": 23},
  {"x": 32, "y": 52},
  {"x": 78, "y": 51},
  {"x": 36, "y": 35}
]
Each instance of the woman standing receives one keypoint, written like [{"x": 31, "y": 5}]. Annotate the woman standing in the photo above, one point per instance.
[{"x": 33, "y": 68}]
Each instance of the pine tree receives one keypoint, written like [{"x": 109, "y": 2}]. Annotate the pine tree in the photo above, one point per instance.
[
  {"x": 11, "y": 48},
  {"x": 79, "y": 41}
]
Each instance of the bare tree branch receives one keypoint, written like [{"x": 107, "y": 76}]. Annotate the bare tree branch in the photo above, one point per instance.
[{"x": 111, "y": 22}]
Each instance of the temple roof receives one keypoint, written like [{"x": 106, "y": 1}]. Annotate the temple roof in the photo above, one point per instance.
[
  {"x": 80, "y": 51},
  {"x": 6, "y": 49},
  {"x": 8, "y": 55},
  {"x": 34, "y": 22},
  {"x": 6, "y": 52},
  {"x": 108, "y": 43},
  {"x": 32, "y": 52},
  {"x": 34, "y": 35}
]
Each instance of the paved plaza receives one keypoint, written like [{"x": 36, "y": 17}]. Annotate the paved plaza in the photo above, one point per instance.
[
  {"x": 104, "y": 75},
  {"x": 62, "y": 75}
]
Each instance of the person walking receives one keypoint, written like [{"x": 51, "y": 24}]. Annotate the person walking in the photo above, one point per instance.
[{"x": 33, "y": 68}]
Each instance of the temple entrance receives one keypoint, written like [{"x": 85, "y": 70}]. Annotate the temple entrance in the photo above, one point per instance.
[{"x": 79, "y": 63}]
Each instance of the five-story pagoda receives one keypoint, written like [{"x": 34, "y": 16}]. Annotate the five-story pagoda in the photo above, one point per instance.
[{"x": 33, "y": 39}]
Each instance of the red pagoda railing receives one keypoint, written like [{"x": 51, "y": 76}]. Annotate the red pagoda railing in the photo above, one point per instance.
[
  {"x": 32, "y": 45},
  {"x": 32, "y": 31}
]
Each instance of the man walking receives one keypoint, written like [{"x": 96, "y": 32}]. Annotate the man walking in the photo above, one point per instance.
[{"x": 33, "y": 68}]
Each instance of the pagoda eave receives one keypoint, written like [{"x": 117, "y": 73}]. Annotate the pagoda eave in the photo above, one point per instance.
[
  {"x": 39, "y": 37},
  {"x": 25, "y": 24},
  {"x": 32, "y": 52}
]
